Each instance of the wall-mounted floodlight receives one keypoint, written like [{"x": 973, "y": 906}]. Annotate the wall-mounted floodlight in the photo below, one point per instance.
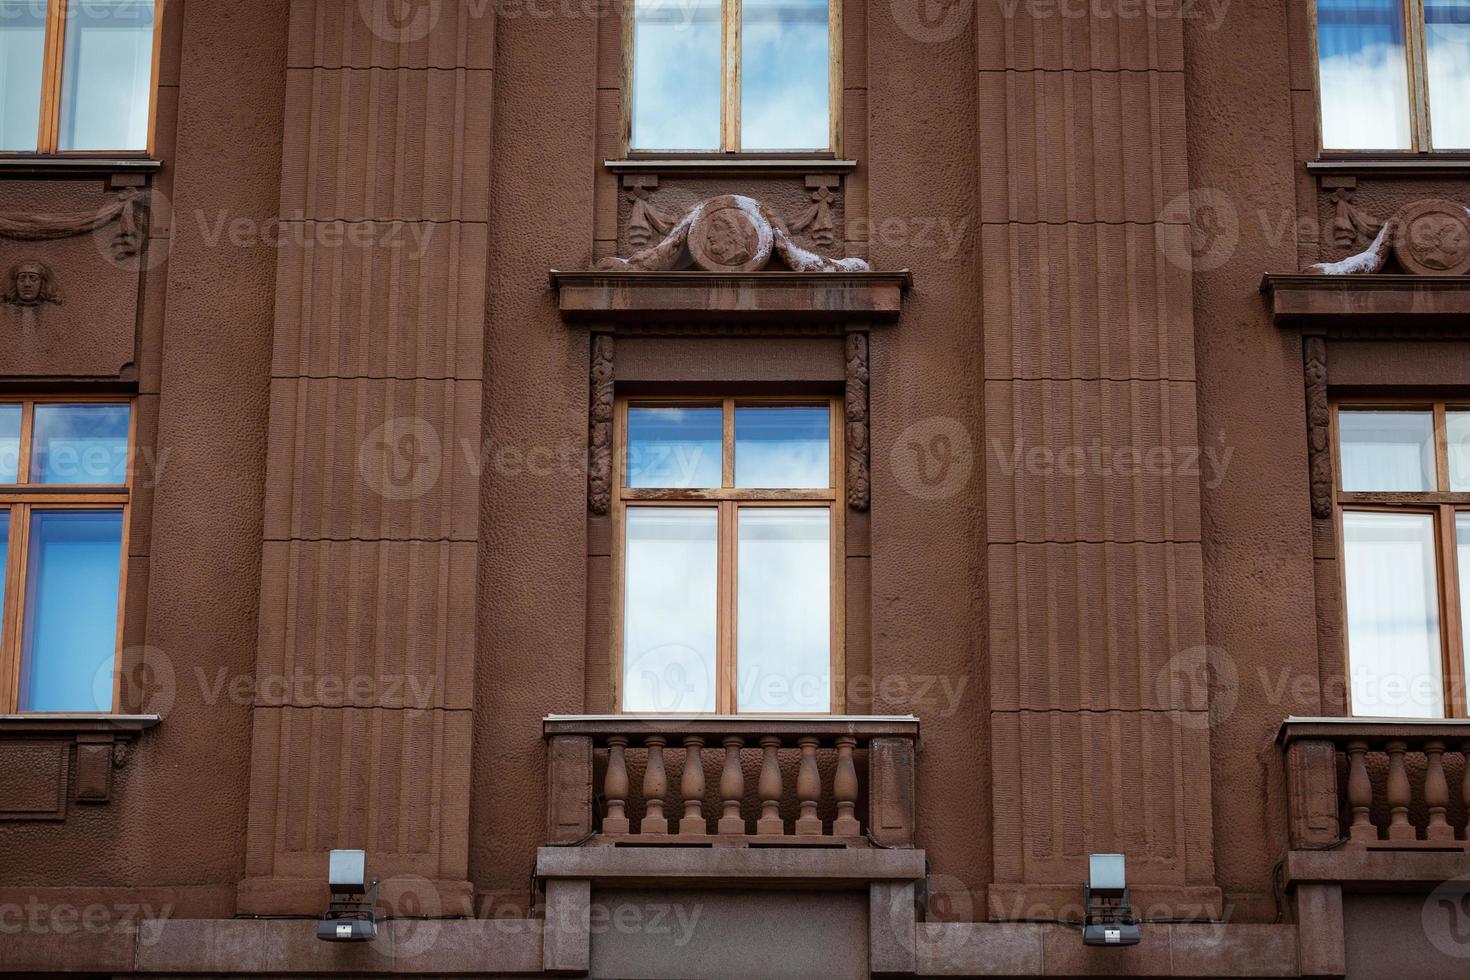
[
  {"x": 352, "y": 913},
  {"x": 1108, "y": 920}
]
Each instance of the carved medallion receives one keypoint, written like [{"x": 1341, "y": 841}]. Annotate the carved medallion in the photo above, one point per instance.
[
  {"x": 1434, "y": 238},
  {"x": 730, "y": 236}
]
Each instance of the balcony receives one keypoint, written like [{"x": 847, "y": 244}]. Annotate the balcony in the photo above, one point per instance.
[
  {"x": 1376, "y": 800},
  {"x": 743, "y": 781}
]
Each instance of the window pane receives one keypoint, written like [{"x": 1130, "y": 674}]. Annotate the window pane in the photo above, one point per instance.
[
  {"x": 107, "y": 71},
  {"x": 1364, "y": 81},
  {"x": 80, "y": 444},
  {"x": 22, "y": 54},
  {"x": 9, "y": 443},
  {"x": 70, "y": 631},
  {"x": 1457, "y": 434},
  {"x": 1447, "y": 40},
  {"x": 784, "y": 84},
  {"x": 4, "y": 553},
  {"x": 784, "y": 610},
  {"x": 1462, "y": 558},
  {"x": 1391, "y": 451},
  {"x": 1393, "y": 615},
  {"x": 783, "y": 447},
  {"x": 669, "y": 615},
  {"x": 676, "y": 75},
  {"x": 675, "y": 447}
]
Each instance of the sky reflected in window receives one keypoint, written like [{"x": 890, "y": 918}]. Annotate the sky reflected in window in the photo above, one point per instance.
[
  {"x": 675, "y": 447},
  {"x": 107, "y": 75},
  {"x": 784, "y": 86},
  {"x": 783, "y": 447},
  {"x": 676, "y": 75},
  {"x": 22, "y": 55},
  {"x": 1364, "y": 75},
  {"x": 80, "y": 444},
  {"x": 10, "y": 416},
  {"x": 1447, "y": 55}
]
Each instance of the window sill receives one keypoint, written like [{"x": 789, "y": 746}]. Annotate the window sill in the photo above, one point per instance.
[
  {"x": 1368, "y": 303},
  {"x": 1389, "y": 165},
  {"x": 73, "y": 166},
  {"x": 80, "y": 723},
  {"x": 732, "y": 164}
]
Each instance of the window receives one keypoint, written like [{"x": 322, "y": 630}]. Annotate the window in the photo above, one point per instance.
[
  {"x": 1404, "y": 504},
  {"x": 730, "y": 523},
  {"x": 1394, "y": 74},
  {"x": 64, "y": 495},
  {"x": 77, "y": 76},
  {"x": 738, "y": 76}
]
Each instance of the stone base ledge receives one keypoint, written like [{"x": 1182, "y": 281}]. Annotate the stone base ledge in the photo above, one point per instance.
[
  {"x": 1376, "y": 868},
  {"x": 218, "y": 947},
  {"x": 752, "y": 867},
  {"x": 1037, "y": 949}
]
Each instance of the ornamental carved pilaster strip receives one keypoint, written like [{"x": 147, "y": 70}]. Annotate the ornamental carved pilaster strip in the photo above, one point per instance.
[
  {"x": 856, "y": 414},
  {"x": 599, "y": 429},
  {"x": 1319, "y": 422}
]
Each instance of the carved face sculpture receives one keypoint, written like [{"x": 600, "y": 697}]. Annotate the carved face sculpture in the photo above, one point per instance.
[
  {"x": 1439, "y": 241},
  {"x": 30, "y": 285},
  {"x": 726, "y": 237}
]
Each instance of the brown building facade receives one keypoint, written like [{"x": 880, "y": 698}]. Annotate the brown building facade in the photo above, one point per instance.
[{"x": 469, "y": 432}]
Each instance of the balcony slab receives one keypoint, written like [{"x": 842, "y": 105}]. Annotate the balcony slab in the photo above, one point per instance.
[{"x": 749, "y": 867}]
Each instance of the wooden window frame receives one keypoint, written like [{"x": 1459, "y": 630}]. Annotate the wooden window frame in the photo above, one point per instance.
[
  {"x": 48, "y": 138},
  {"x": 1416, "y": 56},
  {"x": 1442, "y": 505},
  {"x": 22, "y": 499},
  {"x": 730, "y": 81},
  {"x": 728, "y": 500}
]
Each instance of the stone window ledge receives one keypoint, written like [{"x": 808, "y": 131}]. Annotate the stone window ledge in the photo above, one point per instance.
[
  {"x": 70, "y": 724},
  {"x": 76, "y": 166},
  {"x": 48, "y": 760},
  {"x": 1368, "y": 302},
  {"x": 604, "y": 297},
  {"x": 1390, "y": 165},
  {"x": 730, "y": 164}
]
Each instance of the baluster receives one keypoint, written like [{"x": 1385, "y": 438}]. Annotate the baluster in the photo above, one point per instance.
[
  {"x": 732, "y": 787},
  {"x": 1465, "y": 786},
  {"x": 615, "y": 786},
  {"x": 1399, "y": 827},
  {"x": 691, "y": 786},
  {"x": 808, "y": 788},
  {"x": 655, "y": 788},
  {"x": 1436, "y": 793},
  {"x": 769, "y": 824},
  {"x": 845, "y": 789},
  {"x": 1360, "y": 794}
]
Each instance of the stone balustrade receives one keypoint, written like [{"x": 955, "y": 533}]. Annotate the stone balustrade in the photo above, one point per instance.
[
  {"x": 1377, "y": 784},
  {"x": 808, "y": 766}
]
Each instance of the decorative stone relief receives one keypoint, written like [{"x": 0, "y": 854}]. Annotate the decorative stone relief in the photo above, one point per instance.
[
  {"x": 731, "y": 233},
  {"x": 647, "y": 221},
  {"x": 816, "y": 221},
  {"x": 29, "y": 285},
  {"x": 1351, "y": 226},
  {"x": 126, "y": 209},
  {"x": 1319, "y": 421},
  {"x": 1428, "y": 238},
  {"x": 599, "y": 435},
  {"x": 858, "y": 483}
]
